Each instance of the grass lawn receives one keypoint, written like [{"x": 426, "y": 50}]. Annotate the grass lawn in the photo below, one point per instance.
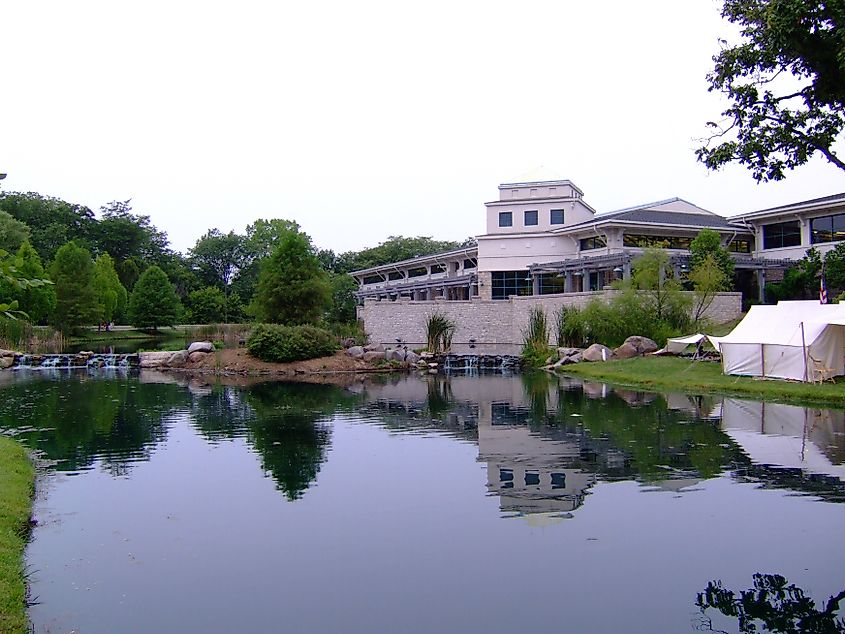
[
  {"x": 17, "y": 477},
  {"x": 685, "y": 375}
]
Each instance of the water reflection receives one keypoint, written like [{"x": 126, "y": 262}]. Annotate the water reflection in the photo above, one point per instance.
[
  {"x": 773, "y": 604},
  {"x": 545, "y": 441}
]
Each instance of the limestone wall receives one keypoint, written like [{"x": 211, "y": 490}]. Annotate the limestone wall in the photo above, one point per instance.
[{"x": 493, "y": 327}]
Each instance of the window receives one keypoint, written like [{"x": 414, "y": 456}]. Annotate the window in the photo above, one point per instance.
[
  {"x": 532, "y": 479},
  {"x": 739, "y": 246},
  {"x": 373, "y": 279},
  {"x": 418, "y": 272},
  {"x": 668, "y": 242},
  {"x": 594, "y": 242},
  {"x": 556, "y": 217},
  {"x": 507, "y": 283},
  {"x": 558, "y": 480},
  {"x": 828, "y": 228},
  {"x": 470, "y": 264},
  {"x": 506, "y": 219},
  {"x": 531, "y": 218},
  {"x": 782, "y": 234},
  {"x": 552, "y": 283},
  {"x": 395, "y": 275},
  {"x": 438, "y": 268}
]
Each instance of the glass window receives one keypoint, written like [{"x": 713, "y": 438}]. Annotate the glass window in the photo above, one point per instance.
[
  {"x": 668, "y": 242},
  {"x": 593, "y": 242},
  {"x": 532, "y": 479},
  {"x": 558, "y": 480},
  {"x": 782, "y": 234},
  {"x": 531, "y": 218},
  {"x": 828, "y": 228},
  {"x": 395, "y": 275},
  {"x": 373, "y": 279},
  {"x": 438, "y": 268},
  {"x": 507, "y": 283},
  {"x": 470, "y": 264},
  {"x": 418, "y": 272},
  {"x": 556, "y": 217},
  {"x": 506, "y": 219},
  {"x": 739, "y": 246},
  {"x": 552, "y": 283}
]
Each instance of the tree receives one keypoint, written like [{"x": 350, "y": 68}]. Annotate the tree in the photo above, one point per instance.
[
  {"x": 153, "y": 302},
  {"x": 112, "y": 297},
  {"x": 124, "y": 235},
  {"x": 206, "y": 306},
  {"x": 37, "y": 301},
  {"x": 52, "y": 222},
  {"x": 653, "y": 275},
  {"x": 218, "y": 257},
  {"x": 786, "y": 85},
  {"x": 834, "y": 269},
  {"x": 708, "y": 244},
  {"x": 292, "y": 288},
  {"x": 76, "y": 301},
  {"x": 13, "y": 233},
  {"x": 800, "y": 281},
  {"x": 708, "y": 279},
  {"x": 394, "y": 249},
  {"x": 343, "y": 302}
]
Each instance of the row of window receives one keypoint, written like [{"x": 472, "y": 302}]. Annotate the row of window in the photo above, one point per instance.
[
  {"x": 671, "y": 242},
  {"x": 420, "y": 271},
  {"x": 531, "y": 218},
  {"x": 788, "y": 234}
]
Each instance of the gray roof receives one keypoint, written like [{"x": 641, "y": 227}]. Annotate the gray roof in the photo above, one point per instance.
[
  {"x": 647, "y": 214},
  {"x": 813, "y": 201}
]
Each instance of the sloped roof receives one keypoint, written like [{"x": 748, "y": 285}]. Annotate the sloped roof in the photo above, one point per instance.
[{"x": 648, "y": 214}]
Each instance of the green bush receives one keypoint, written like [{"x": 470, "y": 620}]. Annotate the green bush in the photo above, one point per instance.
[
  {"x": 535, "y": 339},
  {"x": 571, "y": 329},
  {"x": 281, "y": 344}
]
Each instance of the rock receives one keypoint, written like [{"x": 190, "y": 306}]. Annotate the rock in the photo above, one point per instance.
[
  {"x": 356, "y": 352},
  {"x": 397, "y": 354},
  {"x": 6, "y": 362},
  {"x": 347, "y": 343},
  {"x": 562, "y": 353},
  {"x": 178, "y": 359},
  {"x": 643, "y": 345},
  {"x": 373, "y": 355},
  {"x": 154, "y": 359},
  {"x": 626, "y": 351},
  {"x": 201, "y": 346},
  {"x": 597, "y": 352},
  {"x": 196, "y": 356},
  {"x": 412, "y": 357},
  {"x": 549, "y": 361},
  {"x": 578, "y": 357},
  {"x": 374, "y": 347},
  {"x": 7, "y": 353},
  {"x": 85, "y": 353}
]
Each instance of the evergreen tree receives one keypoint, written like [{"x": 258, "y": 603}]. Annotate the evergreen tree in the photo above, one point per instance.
[
  {"x": 73, "y": 273},
  {"x": 111, "y": 295},
  {"x": 292, "y": 287},
  {"x": 206, "y": 306},
  {"x": 154, "y": 302}
]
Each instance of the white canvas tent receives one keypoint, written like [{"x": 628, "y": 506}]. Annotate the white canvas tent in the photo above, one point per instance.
[{"x": 791, "y": 340}]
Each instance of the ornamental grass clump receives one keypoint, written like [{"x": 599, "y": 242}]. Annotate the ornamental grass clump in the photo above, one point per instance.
[
  {"x": 282, "y": 344},
  {"x": 535, "y": 338},
  {"x": 439, "y": 331}
]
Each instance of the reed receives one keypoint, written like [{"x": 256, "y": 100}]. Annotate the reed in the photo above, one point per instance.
[{"x": 439, "y": 331}]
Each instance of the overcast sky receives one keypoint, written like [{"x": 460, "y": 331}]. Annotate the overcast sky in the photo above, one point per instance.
[{"x": 361, "y": 120}]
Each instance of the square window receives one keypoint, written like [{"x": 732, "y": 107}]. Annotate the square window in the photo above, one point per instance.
[
  {"x": 556, "y": 217},
  {"x": 505, "y": 219},
  {"x": 531, "y": 218}
]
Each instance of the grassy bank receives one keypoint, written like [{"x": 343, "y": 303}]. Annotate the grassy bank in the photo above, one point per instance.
[
  {"x": 16, "y": 488},
  {"x": 673, "y": 373}
]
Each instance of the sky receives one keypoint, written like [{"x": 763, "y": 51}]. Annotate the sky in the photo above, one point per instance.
[{"x": 362, "y": 120}]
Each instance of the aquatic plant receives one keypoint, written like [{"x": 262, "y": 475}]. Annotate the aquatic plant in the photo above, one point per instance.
[
  {"x": 439, "y": 331},
  {"x": 535, "y": 338}
]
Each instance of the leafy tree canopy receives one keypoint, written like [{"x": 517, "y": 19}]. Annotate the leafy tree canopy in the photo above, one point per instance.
[
  {"x": 218, "y": 257},
  {"x": 13, "y": 233},
  {"x": 112, "y": 297},
  {"x": 153, "y": 302},
  {"x": 394, "y": 249},
  {"x": 292, "y": 288},
  {"x": 124, "y": 235},
  {"x": 786, "y": 85},
  {"x": 708, "y": 245},
  {"x": 206, "y": 306},
  {"x": 37, "y": 301},
  {"x": 72, "y": 271},
  {"x": 52, "y": 222}
]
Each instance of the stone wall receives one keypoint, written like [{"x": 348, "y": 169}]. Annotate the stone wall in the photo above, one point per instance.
[{"x": 492, "y": 327}]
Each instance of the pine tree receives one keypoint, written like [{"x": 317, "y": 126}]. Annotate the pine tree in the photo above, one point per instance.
[
  {"x": 73, "y": 273},
  {"x": 111, "y": 295},
  {"x": 154, "y": 302}
]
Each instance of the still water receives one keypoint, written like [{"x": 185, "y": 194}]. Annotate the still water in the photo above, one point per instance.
[{"x": 436, "y": 504}]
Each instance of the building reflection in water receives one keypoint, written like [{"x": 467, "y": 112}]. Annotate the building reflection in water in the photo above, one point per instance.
[{"x": 546, "y": 441}]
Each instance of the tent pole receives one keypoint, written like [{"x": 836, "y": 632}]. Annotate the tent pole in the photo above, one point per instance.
[{"x": 804, "y": 350}]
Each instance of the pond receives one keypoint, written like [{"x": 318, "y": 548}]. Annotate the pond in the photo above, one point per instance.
[{"x": 420, "y": 504}]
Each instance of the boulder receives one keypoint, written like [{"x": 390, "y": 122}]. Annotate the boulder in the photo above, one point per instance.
[
  {"x": 412, "y": 357},
  {"x": 347, "y": 343},
  {"x": 196, "y": 356},
  {"x": 626, "y": 351},
  {"x": 201, "y": 346},
  {"x": 396, "y": 354},
  {"x": 374, "y": 347},
  {"x": 178, "y": 359},
  {"x": 356, "y": 352},
  {"x": 154, "y": 359},
  {"x": 6, "y": 362},
  {"x": 373, "y": 355},
  {"x": 643, "y": 345},
  {"x": 597, "y": 352},
  {"x": 7, "y": 353},
  {"x": 567, "y": 352}
]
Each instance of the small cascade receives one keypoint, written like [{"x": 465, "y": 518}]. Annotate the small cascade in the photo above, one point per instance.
[
  {"x": 471, "y": 363},
  {"x": 75, "y": 361}
]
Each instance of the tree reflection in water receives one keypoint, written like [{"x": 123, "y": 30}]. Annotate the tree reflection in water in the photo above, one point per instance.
[{"x": 773, "y": 604}]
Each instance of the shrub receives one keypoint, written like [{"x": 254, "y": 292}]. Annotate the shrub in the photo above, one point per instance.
[
  {"x": 282, "y": 344},
  {"x": 570, "y": 326},
  {"x": 439, "y": 331},
  {"x": 535, "y": 339}
]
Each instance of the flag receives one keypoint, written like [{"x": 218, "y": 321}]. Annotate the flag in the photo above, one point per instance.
[{"x": 822, "y": 289}]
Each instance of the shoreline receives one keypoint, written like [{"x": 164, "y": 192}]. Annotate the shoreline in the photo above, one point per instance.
[{"x": 17, "y": 489}]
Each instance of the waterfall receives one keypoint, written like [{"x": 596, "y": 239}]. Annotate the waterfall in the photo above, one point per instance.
[{"x": 80, "y": 360}]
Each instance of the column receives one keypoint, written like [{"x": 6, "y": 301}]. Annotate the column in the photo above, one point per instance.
[
  {"x": 535, "y": 284},
  {"x": 761, "y": 285},
  {"x": 567, "y": 282}
]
